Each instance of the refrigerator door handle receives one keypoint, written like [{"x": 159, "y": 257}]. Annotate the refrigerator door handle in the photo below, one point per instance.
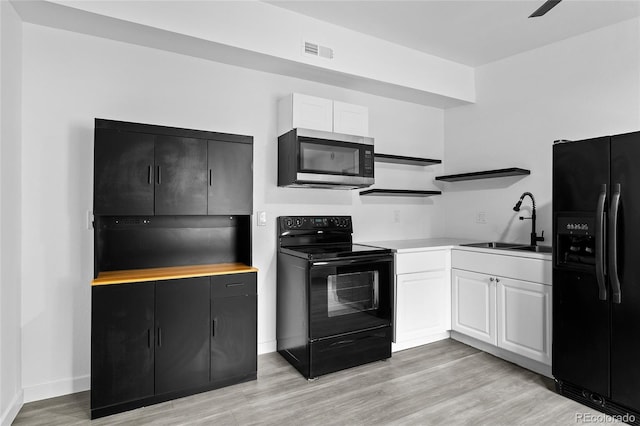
[
  {"x": 601, "y": 243},
  {"x": 613, "y": 244}
]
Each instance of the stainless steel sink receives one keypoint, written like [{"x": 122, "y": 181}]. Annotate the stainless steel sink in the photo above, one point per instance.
[
  {"x": 536, "y": 249},
  {"x": 510, "y": 246},
  {"x": 492, "y": 244}
]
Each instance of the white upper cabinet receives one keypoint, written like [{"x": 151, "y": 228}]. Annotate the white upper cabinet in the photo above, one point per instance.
[
  {"x": 350, "y": 119},
  {"x": 309, "y": 112},
  {"x": 306, "y": 112}
]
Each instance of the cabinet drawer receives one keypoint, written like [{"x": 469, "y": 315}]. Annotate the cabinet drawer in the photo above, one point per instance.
[
  {"x": 233, "y": 285},
  {"x": 423, "y": 261},
  {"x": 521, "y": 268}
]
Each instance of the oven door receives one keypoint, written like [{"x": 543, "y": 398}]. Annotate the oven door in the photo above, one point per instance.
[{"x": 349, "y": 295}]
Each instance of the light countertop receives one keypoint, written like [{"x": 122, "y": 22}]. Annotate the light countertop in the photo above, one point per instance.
[
  {"x": 427, "y": 244},
  {"x": 405, "y": 246},
  {"x": 169, "y": 273}
]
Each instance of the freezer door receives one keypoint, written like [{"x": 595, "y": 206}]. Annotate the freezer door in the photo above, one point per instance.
[
  {"x": 581, "y": 320},
  {"x": 625, "y": 334},
  {"x": 579, "y": 169}
]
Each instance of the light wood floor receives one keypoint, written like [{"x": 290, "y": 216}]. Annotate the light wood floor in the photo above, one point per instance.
[{"x": 444, "y": 383}]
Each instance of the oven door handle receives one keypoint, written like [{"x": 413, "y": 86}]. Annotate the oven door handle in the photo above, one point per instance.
[{"x": 354, "y": 261}]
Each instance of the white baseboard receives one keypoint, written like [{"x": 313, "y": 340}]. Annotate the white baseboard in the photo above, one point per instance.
[
  {"x": 57, "y": 388},
  {"x": 9, "y": 415},
  {"x": 529, "y": 364},
  {"x": 83, "y": 383},
  {"x": 423, "y": 340},
  {"x": 267, "y": 347}
]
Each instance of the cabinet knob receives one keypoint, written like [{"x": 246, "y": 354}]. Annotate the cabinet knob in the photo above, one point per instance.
[
  {"x": 497, "y": 280},
  {"x": 491, "y": 279}
]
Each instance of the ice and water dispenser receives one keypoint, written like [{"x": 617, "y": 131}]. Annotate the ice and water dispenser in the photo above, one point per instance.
[{"x": 575, "y": 241}]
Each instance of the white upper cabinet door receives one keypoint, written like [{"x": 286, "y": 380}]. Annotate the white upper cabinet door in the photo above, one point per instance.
[
  {"x": 474, "y": 305},
  {"x": 350, "y": 119},
  {"x": 524, "y": 318},
  {"x": 305, "y": 112}
]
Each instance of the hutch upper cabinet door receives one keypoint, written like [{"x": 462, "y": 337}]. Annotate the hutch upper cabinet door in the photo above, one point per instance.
[
  {"x": 181, "y": 176},
  {"x": 123, "y": 173},
  {"x": 230, "y": 178}
]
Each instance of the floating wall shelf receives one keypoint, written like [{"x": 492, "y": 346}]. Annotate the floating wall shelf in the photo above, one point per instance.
[
  {"x": 400, "y": 159},
  {"x": 399, "y": 192},
  {"x": 486, "y": 174}
]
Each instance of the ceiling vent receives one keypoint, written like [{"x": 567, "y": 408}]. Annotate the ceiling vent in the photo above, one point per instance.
[{"x": 314, "y": 49}]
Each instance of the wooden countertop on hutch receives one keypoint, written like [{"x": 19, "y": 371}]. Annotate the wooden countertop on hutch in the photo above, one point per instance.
[{"x": 169, "y": 273}]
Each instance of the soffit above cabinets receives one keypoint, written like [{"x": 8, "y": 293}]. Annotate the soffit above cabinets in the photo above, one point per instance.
[{"x": 359, "y": 62}]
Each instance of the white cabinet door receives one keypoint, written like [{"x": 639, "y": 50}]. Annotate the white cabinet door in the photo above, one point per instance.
[
  {"x": 422, "y": 305},
  {"x": 474, "y": 305},
  {"x": 524, "y": 318},
  {"x": 350, "y": 119},
  {"x": 304, "y": 111}
]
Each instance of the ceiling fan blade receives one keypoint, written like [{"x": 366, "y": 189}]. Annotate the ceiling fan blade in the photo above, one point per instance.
[{"x": 547, "y": 6}]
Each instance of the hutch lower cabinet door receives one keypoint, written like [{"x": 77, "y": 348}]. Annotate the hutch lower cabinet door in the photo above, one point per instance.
[
  {"x": 234, "y": 335},
  {"x": 182, "y": 334},
  {"x": 122, "y": 355}
]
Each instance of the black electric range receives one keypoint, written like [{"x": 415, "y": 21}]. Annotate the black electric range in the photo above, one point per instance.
[{"x": 333, "y": 296}]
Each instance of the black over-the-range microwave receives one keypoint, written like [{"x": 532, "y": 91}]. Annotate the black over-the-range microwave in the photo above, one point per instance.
[{"x": 318, "y": 159}]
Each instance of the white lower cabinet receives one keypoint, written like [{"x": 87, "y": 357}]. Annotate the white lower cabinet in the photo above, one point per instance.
[
  {"x": 422, "y": 298},
  {"x": 474, "y": 305},
  {"x": 524, "y": 313},
  {"x": 495, "y": 302}
]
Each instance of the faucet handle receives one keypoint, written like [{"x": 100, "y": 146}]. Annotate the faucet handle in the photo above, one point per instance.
[{"x": 541, "y": 237}]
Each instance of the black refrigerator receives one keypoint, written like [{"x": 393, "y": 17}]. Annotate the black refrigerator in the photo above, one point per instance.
[{"x": 596, "y": 273}]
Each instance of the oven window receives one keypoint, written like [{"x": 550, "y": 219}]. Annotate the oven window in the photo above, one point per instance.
[
  {"x": 351, "y": 293},
  {"x": 329, "y": 158}
]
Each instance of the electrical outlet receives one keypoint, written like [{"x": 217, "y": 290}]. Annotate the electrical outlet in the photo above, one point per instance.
[
  {"x": 262, "y": 218},
  {"x": 481, "y": 217},
  {"x": 396, "y": 216}
]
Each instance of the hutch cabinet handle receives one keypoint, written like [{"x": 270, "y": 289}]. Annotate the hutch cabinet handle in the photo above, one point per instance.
[
  {"x": 210, "y": 177},
  {"x": 149, "y": 174},
  {"x": 214, "y": 326},
  {"x": 159, "y": 337}
]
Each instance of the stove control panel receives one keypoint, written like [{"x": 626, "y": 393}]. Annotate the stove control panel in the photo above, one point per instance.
[{"x": 308, "y": 223}]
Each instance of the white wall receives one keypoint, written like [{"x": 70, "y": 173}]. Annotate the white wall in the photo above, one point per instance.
[
  {"x": 582, "y": 87},
  {"x": 69, "y": 79},
  {"x": 10, "y": 210},
  {"x": 273, "y": 32}
]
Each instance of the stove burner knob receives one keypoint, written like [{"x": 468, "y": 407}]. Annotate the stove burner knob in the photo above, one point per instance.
[
  {"x": 298, "y": 222},
  {"x": 288, "y": 222}
]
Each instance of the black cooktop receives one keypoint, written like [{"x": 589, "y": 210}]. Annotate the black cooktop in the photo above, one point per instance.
[{"x": 320, "y": 252}]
